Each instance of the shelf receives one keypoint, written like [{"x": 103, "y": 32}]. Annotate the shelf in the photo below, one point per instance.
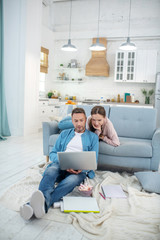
[
  {"x": 67, "y": 74},
  {"x": 68, "y": 81},
  {"x": 79, "y": 69}
]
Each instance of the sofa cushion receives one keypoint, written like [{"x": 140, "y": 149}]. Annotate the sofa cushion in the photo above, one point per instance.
[
  {"x": 150, "y": 181},
  {"x": 129, "y": 147},
  {"x": 133, "y": 122},
  {"x": 52, "y": 139}
]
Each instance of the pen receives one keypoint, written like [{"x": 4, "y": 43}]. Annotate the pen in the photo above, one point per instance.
[{"x": 102, "y": 195}]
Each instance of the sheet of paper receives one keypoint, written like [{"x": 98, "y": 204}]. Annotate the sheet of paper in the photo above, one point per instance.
[{"x": 113, "y": 191}]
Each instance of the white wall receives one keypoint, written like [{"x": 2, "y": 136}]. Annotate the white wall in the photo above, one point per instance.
[
  {"x": 22, "y": 37},
  {"x": 32, "y": 65}
]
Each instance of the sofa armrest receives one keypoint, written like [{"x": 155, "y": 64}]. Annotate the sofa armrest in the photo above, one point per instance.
[
  {"x": 49, "y": 128},
  {"x": 156, "y": 138},
  {"x": 156, "y": 150}
]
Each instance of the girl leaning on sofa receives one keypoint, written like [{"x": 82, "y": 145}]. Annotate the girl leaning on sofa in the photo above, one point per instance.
[{"x": 102, "y": 126}]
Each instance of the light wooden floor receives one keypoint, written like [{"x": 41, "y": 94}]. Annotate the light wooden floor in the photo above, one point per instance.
[{"x": 17, "y": 154}]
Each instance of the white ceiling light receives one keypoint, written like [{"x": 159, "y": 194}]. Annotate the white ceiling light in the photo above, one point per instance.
[
  {"x": 69, "y": 47},
  {"x": 128, "y": 45},
  {"x": 97, "y": 46}
]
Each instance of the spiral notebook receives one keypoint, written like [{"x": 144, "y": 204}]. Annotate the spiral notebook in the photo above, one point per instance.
[{"x": 80, "y": 204}]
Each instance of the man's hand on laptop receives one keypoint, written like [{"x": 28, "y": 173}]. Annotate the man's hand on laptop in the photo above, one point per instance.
[{"x": 74, "y": 171}]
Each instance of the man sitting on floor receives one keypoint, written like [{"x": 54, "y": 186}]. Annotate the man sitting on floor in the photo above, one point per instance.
[{"x": 75, "y": 139}]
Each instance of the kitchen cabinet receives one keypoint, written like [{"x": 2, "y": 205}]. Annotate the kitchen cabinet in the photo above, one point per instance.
[
  {"x": 125, "y": 66},
  {"x": 43, "y": 111},
  {"x": 53, "y": 110},
  {"x": 146, "y": 66},
  {"x": 136, "y": 66},
  {"x": 47, "y": 112}
]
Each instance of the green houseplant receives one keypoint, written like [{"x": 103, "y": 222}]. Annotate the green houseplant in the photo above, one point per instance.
[
  {"x": 50, "y": 94},
  {"x": 147, "y": 95}
]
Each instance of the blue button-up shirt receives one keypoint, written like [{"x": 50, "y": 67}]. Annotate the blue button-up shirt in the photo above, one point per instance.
[{"x": 90, "y": 142}]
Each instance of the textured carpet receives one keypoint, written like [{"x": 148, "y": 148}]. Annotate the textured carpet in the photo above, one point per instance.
[{"x": 136, "y": 217}]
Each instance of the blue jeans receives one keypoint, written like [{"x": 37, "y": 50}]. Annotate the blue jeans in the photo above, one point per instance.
[{"x": 66, "y": 183}]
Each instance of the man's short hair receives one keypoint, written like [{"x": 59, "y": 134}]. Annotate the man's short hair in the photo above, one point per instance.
[{"x": 78, "y": 110}]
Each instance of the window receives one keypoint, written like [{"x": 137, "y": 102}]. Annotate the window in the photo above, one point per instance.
[
  {"x": 43, "y": 70},
  {"x": 44, "y": 60},
  {"x": 42, "y": 84}
]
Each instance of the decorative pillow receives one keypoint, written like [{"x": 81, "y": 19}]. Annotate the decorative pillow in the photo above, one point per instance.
[
  {"x": 65, "y": 123},
  {"x": 150, "y": 181}
]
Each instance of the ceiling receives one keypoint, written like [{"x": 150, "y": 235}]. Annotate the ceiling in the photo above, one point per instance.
[
  {"x": 49, "y": 2},
  {"x": 113, "y": 21}
]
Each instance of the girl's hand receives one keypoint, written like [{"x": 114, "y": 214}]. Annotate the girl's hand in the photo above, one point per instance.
[
  {"x": 101, "y": 137},
  {"x": 97, "y": 127}
]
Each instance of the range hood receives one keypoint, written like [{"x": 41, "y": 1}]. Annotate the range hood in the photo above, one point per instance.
[{"x": 97, "y": 65}]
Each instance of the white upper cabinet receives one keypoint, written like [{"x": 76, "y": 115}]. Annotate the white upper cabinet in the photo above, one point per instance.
[
  {"x": 136, "y": 66},
  {"x": 125, "y": 66},
  {"x": 146, "y": 66}
]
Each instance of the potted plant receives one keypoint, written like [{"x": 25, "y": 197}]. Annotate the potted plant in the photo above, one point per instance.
[
  {"x": 147, "y": 95},
  {"x": 50, "y": 94}
]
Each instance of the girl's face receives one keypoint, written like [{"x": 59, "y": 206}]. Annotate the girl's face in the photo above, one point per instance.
[{"x": 97, "y": 120}]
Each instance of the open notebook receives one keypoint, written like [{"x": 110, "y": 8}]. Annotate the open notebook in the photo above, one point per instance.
[{"x": 80, "y": 204}]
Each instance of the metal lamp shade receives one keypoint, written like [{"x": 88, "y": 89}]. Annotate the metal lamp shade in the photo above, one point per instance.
[
  {"x": 97, "y": 46},
  {"x": 69, "y": 47},
  {"x": 128, "y": 45}
]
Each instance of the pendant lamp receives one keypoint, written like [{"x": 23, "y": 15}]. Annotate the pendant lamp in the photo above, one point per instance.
[
  {"x": 97, "y": 46},
  {"x": 128, "y": 45},
  {"x": 69, "y": 47}
]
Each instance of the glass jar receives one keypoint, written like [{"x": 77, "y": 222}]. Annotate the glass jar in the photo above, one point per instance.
[{"x": 66, "y": 97}]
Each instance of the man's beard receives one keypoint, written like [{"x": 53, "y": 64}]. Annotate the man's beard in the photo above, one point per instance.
[{"x": 80, "y": 130}]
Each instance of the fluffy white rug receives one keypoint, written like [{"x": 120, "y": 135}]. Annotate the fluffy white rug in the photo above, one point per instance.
[{"x": 136, "y": 217}]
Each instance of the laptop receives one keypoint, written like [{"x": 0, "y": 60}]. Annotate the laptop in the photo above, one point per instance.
[{"x": 77, "y": 160}]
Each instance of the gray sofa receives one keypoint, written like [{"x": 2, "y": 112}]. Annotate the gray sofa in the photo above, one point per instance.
[{"x": 139, "y": 139}]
